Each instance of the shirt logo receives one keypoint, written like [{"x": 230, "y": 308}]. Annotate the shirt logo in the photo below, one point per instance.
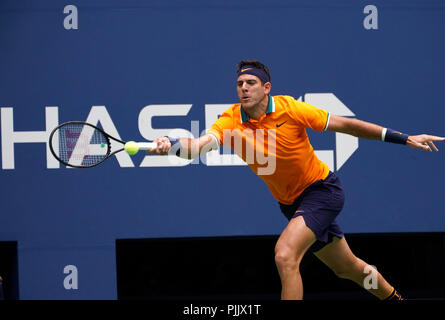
[{"x": 279, "y": 125}]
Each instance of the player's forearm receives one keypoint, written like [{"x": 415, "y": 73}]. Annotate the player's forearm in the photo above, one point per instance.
[
  {"x": 189, "y": 148},
  {"x": 355, "y": 127},
  {"x": 192, "y": 148},
  {"x": 363, "y": 129}
]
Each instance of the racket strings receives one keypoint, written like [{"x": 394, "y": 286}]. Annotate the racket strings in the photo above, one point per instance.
[{"x": 82, "y": 145}]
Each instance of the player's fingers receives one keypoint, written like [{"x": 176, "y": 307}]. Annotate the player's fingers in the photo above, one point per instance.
[
  {"x": 433, "y": 146},
  {"x": 160, "y": 145},
  {"x": 427, "y": 138},
  {"x": 436, "y": 138},
  {"x": 153, "y": 151},
  {"x": 158, "y": 148},
  {"x": 426, "y": 147},
  {"x": 168, "y": 146},
  {"x": 165, "y": 146}
]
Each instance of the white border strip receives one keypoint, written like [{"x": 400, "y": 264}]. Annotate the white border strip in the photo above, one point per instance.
[
  {"x": 384, "y": 134},
  {"x": 327, "y": 122}
]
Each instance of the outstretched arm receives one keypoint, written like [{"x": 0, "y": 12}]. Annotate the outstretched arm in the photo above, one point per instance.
[
  {"x": 367, "y": 130},
  {"x": 188, "y": 148}
]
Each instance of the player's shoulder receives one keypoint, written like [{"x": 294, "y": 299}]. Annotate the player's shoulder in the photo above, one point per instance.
[
  {"x": 283, "y": 98},
  {"x": 291, "y": 102},
  {"x": 285, "y": 102},
  {"x": 234, "y": 108},
  {"x": 232, "y": 111}
]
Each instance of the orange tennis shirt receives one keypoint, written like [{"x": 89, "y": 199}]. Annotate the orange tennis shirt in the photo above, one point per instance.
[{"x": 276, "y": 146}]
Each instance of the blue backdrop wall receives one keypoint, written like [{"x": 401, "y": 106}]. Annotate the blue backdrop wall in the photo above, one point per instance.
[{"x": 143, "y": 68}]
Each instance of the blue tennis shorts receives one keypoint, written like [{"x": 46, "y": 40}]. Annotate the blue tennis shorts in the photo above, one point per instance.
[{"x": 319, "y": 204}]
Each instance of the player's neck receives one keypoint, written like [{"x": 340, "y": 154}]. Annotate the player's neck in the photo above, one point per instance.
[{"x": 256, "y": 111}]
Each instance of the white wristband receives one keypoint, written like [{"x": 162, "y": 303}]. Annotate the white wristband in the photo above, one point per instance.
[{"x": 384, "y": 134}]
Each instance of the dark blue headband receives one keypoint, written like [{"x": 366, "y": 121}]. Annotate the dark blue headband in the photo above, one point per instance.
[{"x": 256, "y": 72}]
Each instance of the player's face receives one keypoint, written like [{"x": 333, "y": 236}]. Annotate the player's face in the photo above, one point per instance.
[{"x": 250, "y": 90}]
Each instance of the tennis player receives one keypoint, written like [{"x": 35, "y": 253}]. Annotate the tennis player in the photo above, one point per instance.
[{"x": 308, "y": 193}]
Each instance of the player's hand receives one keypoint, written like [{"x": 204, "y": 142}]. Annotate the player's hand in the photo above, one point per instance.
[
  {"x": 424, "y": 142},
  {"x": 163, "y": 147}
]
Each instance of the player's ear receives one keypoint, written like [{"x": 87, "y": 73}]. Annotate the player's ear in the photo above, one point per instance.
[{"x": 267, "y": 87}]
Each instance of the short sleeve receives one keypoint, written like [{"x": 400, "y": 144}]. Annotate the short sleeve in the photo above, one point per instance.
[
  {"x": 308, "y": 115},
  {"x": 225, "y": 121}
]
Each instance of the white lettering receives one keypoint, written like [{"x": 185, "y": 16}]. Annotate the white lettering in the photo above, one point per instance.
[
  {"x": 10, "y": 137},
  {"x": 200, "y": 310},
  {"x": 371, "y": 20},
  {"x": 249, "y": 145},
  {"x": 71, "y": 280},
  {"x": 148, "y": 132},
  {"x": 224, "y": 156},
  {"x": 71, "y": 20},
  {"x": 371, "y": 280}
]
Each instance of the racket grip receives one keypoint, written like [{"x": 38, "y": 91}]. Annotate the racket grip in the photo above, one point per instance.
[{"x": 146, "y": 145}]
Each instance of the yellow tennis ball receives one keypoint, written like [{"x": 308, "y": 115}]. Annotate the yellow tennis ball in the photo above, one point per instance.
[{"x": 131, "y": 147}]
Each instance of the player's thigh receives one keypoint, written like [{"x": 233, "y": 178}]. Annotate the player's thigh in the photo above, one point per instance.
[
  {"x": 338, "y": 256},
  {"x": 295, "y": 239}
]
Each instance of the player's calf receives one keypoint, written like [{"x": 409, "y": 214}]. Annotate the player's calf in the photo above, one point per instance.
[{"x": 368, "y": 278}]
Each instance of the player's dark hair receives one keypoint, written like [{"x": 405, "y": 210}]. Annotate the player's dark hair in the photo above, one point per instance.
[{"x": 254, "y": 63}]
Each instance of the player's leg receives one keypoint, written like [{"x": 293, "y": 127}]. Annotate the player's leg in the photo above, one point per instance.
[
  {"x": 1, "y": 289},
  {"x": 339, "y": 258},
  {"x": 290, "y": 248}
]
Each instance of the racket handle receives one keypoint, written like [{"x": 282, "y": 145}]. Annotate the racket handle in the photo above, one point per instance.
[{"x": 146, "y": 145}]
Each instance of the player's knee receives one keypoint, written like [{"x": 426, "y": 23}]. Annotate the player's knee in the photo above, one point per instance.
[{"x": 286, "y": 259}]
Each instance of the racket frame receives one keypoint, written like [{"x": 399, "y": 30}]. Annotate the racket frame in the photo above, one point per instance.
[{"x": 106, "y": 135}]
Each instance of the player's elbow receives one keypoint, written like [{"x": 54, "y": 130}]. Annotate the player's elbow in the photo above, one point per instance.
[{"x": 342, "y": 124}]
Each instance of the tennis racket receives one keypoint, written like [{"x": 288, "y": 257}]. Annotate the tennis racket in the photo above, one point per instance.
[{"x": 82, "y": 145}]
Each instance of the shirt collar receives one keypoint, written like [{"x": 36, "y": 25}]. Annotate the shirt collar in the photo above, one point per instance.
[{"x": 270, "y": 108}]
